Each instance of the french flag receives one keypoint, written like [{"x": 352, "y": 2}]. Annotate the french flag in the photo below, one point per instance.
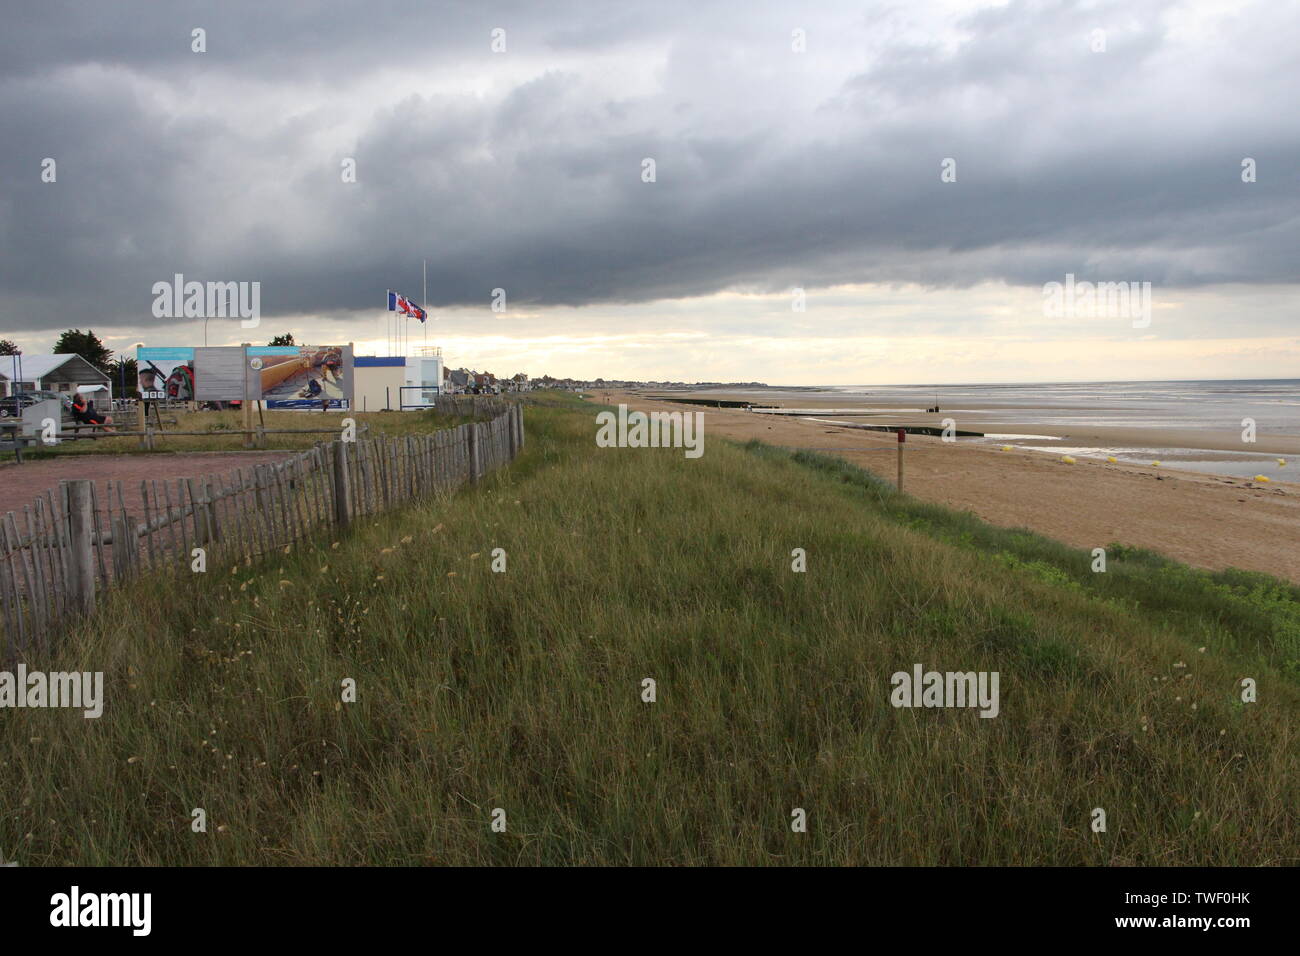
[{"x": 400, "y": 303}]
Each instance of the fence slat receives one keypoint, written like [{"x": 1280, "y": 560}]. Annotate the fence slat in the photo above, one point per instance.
[
  {"x": 15, "y": 623},
  {"x": 40, "y": 597},
  {"x": 60, "y": 551},
  {"x": 98, "y": 538},
  {"x": 50, "y": 550},
  {"x": 34, "y": 618}
]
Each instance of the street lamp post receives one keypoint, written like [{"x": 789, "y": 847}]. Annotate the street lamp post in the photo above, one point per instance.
[{"x": 122, "y": 368}]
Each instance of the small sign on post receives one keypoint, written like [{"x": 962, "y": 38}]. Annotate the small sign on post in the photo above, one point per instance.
[{"x": 902, "y": 437}]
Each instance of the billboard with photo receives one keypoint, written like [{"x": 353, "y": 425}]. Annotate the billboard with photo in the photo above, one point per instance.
[
  {"x": 165, "y": 373},
  {"x": 305, "y": 376}
]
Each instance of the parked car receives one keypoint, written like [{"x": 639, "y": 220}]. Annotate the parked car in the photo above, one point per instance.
[{"x": 14, "y": 404}]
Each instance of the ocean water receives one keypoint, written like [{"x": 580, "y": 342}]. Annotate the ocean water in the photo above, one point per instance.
[
  {"x": 1274, "y": 404},
  {"x": 1044, "y": 414},
  {"x": 1228, "y": 464}
]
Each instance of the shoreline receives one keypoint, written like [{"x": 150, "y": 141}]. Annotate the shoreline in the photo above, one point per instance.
[
  {"x": 991, "y": 418},
  {"x": 1205, "y": 520}
]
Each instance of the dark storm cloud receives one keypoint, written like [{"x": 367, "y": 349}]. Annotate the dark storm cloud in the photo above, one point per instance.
[{"x": 522, "y": 170}]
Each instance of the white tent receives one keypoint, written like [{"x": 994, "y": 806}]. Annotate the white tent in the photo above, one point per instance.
[{"x": 61, "y": 373}]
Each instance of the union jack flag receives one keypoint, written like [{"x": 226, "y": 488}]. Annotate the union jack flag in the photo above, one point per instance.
[{"x": 400, "y": 303}]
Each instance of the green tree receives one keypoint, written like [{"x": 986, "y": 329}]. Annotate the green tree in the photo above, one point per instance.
[
  {"x": 8, "y": 347},
  {"x": 286, "y": 339},
  {"x": 87, "y": 345},
  {"x": 126, "y": 377}
]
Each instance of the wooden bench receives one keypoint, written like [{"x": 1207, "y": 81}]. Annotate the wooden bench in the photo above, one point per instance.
[
  {"x": 12, "y": 439},
  {"x": 71, "y": 431}
]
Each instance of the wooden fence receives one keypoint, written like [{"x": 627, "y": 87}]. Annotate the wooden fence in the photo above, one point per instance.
[
  {"x": 150, "y": 433},
  {"x": 72, "y": 544}
]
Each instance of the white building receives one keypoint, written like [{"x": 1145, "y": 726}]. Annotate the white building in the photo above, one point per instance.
[{"x": 397, "y": 382}]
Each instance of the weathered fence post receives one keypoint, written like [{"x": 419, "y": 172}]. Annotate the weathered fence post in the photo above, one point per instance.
[
  {"x": 79, "y": 507},
  {"x": 246, "y": 410},
  {"x": 199, "y": 508},
  {"x": 471, "y": 433},
  {"x": 123, "y": 545},
  {"x": 902, "y": 437},
  {"x": 210, "y": 510},
  {"x": 342, "y": 485},
  {"x": 519, "y": 413}
]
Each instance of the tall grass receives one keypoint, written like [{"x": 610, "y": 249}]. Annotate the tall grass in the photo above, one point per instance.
[
  {"x": 523, "y": 690},
  {"x": 1251, "y": 616}
]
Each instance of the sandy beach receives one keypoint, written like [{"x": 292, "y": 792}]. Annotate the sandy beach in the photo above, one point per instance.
[{"x": 1206, "y": 520}]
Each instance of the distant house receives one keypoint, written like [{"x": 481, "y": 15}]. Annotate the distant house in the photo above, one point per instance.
[{"x": 458, "y": 381}]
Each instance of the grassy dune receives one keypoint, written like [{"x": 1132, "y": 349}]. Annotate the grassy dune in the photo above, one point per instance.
[{"x": 522, "y": 690}]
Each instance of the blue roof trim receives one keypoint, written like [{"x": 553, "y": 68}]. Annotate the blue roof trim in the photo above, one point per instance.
[{"x": 371, "y": 361}]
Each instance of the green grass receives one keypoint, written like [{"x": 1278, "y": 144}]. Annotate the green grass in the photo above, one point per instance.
[
  {"x": 1250, "y": 616},
  {"x": 522, "y": 690}
]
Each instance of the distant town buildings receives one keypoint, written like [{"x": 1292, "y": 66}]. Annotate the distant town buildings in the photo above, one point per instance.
[{"x": 463, "y": 381}]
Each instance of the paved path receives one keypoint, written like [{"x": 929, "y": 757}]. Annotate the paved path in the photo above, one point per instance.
[{"x": 21, "y": 484}]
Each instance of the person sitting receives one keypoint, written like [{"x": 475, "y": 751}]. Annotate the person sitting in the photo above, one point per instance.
[{"x": 85, "y": 414}]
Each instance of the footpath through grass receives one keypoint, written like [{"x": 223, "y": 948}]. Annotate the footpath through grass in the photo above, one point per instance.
[{"x": 523, "y": 690}]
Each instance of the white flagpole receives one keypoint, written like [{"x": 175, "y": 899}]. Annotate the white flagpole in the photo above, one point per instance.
[{"x": 424, "y": 302}]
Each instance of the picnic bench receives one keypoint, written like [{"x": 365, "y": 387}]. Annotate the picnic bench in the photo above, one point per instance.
[{"x": 12, "y": 438}]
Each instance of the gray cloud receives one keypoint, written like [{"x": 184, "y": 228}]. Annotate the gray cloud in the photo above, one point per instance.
[{"x": 522, "y": 170}]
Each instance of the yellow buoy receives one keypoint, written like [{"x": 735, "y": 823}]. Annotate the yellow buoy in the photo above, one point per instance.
[
  {"x": 1067, "y": 459},
  {"x": 1112, "y": 460},
  {"x": 1006, "y": 447},
  {"x": 1281, "y": 462},
  {"x": 1155, "y": 464},
  {"x": 1261, "y": 478}
]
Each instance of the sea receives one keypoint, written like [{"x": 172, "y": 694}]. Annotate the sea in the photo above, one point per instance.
[{"x": 1042, "y": 416}]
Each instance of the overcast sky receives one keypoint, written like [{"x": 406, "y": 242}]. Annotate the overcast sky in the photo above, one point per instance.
[{"x": 775, "y": 169}]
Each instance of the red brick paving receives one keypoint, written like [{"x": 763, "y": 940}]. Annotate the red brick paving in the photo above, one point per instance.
[{"x": 21, "y": 484}]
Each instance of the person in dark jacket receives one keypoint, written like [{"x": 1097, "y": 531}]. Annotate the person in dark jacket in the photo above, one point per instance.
[{"x": 84, "y": 412}]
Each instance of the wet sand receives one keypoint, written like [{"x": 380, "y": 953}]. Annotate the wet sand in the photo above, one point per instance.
[
  {"x": 1209, "y": 521},
  {"x": 1000, "y": 419}
]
